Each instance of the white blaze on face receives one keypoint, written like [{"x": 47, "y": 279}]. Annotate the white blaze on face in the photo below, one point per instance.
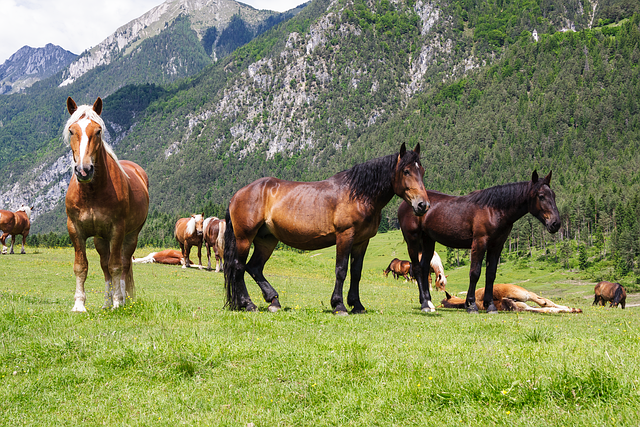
[{"x": 84, "y": 141}]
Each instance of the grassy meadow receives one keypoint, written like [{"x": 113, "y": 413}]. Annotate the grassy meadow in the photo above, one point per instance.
[{"x": 176, "y": 357}]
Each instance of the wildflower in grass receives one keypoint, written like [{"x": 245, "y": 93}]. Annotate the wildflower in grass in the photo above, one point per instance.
[
  {"x": 504, "y": 392},
  {"x": 508, "y": 412}
]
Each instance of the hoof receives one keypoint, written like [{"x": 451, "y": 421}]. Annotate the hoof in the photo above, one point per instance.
[
  {"x": 251, "y": 307},
  {"x": 340, "y": 313},
  {"x": 428, "y": 307},
  {"x": 359, "y": 311},
  {"x": 78, "y": 309},
  {"x": 273, "y": 308},
  {"x": 472, "y": 309}
]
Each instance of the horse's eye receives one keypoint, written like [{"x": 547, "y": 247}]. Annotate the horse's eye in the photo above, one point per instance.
[{"x": 407, "y": 172}]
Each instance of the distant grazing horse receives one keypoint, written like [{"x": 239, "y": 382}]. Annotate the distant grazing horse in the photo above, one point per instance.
[
  {"x": 438, "y": 269},
  {"x": 167, "y": 256},
  {"x": 507, "y": 297},
  {"x": 13, "y": 224},
  {"x": 214, "y": 238},
  {"x": 480, "y": 221},
  {"x": 188, "y": 232},
  {"x": 607, "y": 291},
  {"x": 107, "y": 199},
  {"x": 343, "y": 210},
  {"x": 399, "y": 269}
]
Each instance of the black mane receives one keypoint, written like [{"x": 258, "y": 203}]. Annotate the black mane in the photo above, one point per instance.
[
  {"x": 501, "y": 196},
  {"x": 370, "y": 179}
]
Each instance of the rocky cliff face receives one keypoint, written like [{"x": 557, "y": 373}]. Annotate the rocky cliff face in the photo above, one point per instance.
[
  {"x": 202, "y": 14},
  {"x": 29, "y": 65}
]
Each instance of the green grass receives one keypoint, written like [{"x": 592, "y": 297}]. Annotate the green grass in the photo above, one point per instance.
[{"x": 175, "y": 357}]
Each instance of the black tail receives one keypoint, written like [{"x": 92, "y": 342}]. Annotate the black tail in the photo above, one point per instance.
[{"x": 231, "y": 266}]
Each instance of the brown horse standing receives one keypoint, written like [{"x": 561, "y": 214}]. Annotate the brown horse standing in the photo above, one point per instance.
[
  {"x": 480, "y": 221},
  {"x": 167, "y": 256},
  {"x": 344, "y": 210},
  {"x": 188, "y": 233},
  {"x": 13, "y": 224},
  {"x": 508, "y": 297},
  {"x": 608, "y": 291},
  {"x": 107, "y": 199},
  {"x": 399, "y": 268},
  {"x": 214, "y": 238}
]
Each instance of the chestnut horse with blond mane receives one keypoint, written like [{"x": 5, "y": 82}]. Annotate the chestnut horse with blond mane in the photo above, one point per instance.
[
  {"x": 167, "y": 256},
  {"x": 108, "y": 200},
  {"x": 343, "y": 210},
  {"x": 480, "y": 221},
  {"x": 14, "y": 224},
  {"x": 188, "y": 233},
  {"x": 213, "y": 236}
]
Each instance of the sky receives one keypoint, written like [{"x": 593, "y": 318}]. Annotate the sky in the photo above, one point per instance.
[{"x": 77, "y": 25}]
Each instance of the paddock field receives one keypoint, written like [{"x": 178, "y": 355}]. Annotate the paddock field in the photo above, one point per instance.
[{"x": 175, "y": 357}]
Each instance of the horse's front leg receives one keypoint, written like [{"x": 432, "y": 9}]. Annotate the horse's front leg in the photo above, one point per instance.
[
  {"x": 357, "y": 259},
  {"x": 103, "y": 248},
  {"x": 263, "y": 247},
  {"x": 478, "y": 249},
  {"x": 200, "y": 255},
  {"x": 344, "y": 242},
  {"x": 24, "y": 240},
  {"x": 208, "y": 248},
  {"x": 80, "y": 268},
  {"x": 3, "y": 239},
  {"x": 13, "y": 240},
  {"x": 424, "y": 264}
]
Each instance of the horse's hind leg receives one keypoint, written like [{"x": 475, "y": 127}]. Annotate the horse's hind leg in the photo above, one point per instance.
[
  {"x": 262, "y": 249},
  {"x": 24, "y": 240},
  {"x": 102, "y": 247},
  {"x": 128, "y": 248},
  {"x": 13, "y": 240},
  {"x": 353, "y": 297},
  {"x": 493, "y": 255}
]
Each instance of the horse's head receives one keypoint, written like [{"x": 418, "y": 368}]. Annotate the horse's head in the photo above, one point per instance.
[
  {"x": 83, "y": 132},
  {"x": 441, "y": 281},
  {"x": 26, "y": 209},
  {"x": 542, "y": 202},
  {"x": 194, "y": 226},
  {"x": 408, "y": 182}
]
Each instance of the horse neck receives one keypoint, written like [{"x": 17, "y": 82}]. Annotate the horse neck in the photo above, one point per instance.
[
  {"x": 104, "y": 170},
  {"x": 519, "y": 206}
]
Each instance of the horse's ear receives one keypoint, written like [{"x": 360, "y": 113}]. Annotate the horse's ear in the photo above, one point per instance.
[
  {"x": 534, "y": 176},
  {"x": 71, "y": 105},
  {"x": 403, "y": 150},
  {"x": 97, "y": 106},
  {"x": 447, "y": 294},
  {"x": 547, "y": 179},
  {"x": 417, "y": 149}
]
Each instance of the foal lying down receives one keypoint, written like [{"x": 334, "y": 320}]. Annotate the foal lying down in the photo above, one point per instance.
[{"x": 507, "y": 297}]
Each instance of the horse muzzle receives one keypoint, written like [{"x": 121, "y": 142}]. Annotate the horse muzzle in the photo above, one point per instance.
[
  {"x": 421, "y": 207},
  {"x": 554, "y": 226},
  {"x": 84, "y": 173}
]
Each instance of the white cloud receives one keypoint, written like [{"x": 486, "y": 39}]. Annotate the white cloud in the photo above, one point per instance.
[{"x": 79, "y": 25}]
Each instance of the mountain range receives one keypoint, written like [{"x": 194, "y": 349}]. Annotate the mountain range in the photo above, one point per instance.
[{"x": 208, "y": 101}]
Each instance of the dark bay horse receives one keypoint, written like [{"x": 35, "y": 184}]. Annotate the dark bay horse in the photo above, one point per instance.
[
  {"x": 508, "y": 297},
  {"x": 107, "y": 199},
  {"x": 480, "y": 221},
  {"x": 14, "y": 224},
  {"x": 343, "y": 210},
  {"x": 213, "y": 236},
  {"x": 188, "y": 233},
  {"x": 399, "y": 268},
  {"x": 608, "y": 291}
]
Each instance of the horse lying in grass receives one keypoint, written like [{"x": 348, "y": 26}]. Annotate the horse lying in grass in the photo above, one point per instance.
[
  {"x": 13, "y": 224},
  {"x": 507, "y": 297},
  {"x": 167, "y": 256},
  {"x": 608, "y": 291},
  {"x": 399, "y": 268},
  {"x": 213, "y": 236}
]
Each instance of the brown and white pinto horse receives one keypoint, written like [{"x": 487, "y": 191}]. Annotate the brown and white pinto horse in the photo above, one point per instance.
[
  {"x": 508, "y": 297},
  {"x": 480, "y": 221},
  {"x": 343, "y": 210},
  {"x": 608, "y": 291},
  {"x": 107, "y": 199},
  {"x": 214, "y": 238},
  {"x": 167, "y": 256},
  {"x": 13, "y": 224},
  {"x": 399, "y": 268},
  {"x": 188, "y": 233}
]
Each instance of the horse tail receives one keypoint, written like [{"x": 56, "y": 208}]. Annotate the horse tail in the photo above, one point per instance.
[
  {"x": 230, "y": 268},
  {"x": 222, "y": 226}
]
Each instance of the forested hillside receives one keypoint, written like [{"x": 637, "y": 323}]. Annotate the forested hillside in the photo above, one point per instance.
[{"x": 491, "y": 91}]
